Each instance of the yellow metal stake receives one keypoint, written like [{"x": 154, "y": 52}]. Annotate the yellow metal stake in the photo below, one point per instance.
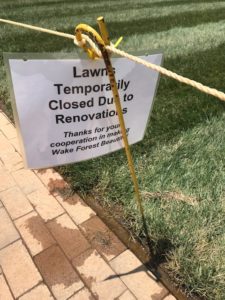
[
  {"x": 102, "y": 42},
  {"x": 103, "y": 30}
]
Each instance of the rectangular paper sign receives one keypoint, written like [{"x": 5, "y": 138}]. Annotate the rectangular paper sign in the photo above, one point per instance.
[{"x": 66, "y": 111}]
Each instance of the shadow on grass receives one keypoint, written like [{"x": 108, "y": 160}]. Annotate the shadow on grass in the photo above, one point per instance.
[
  {"x": 118, "y": 5},
  {"x": 48, "y": 3},
  {"x": 156, "y": 252},
  {"x": 159, "y": 24},
  {"x": 31, "y": 41},
  {"x": 178, "y": 2},
  {"x": 178, "y": 108},
  {"x": 139, "y": 26}
]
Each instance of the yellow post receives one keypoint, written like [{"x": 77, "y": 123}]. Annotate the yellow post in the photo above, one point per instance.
[
  {"x": 103, "y": 30},
  {"x": 105, "y": 37},
  {"x": 101, "y": 41}
]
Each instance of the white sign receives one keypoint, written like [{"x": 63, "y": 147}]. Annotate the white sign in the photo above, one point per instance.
[{"x": 65, "y": 107}]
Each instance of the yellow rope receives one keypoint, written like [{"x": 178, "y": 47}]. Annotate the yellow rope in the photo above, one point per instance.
[
  {"x": 101, "y": 42},
  {"x": 66, "y": 35},
  {"x": 54, "y": 32},
  {"x": 164, "y": 71},
  {"x": 111, "y": 48}
]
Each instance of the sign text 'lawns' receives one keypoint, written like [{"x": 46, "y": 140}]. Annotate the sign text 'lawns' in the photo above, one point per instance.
[{"x": 71, "y": 116}]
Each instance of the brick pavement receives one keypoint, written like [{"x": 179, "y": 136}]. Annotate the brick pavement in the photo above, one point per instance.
[{"x": 54, "y": 246}]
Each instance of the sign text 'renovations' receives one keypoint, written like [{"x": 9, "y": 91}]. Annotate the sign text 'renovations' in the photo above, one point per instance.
[{"x": 71, "y": 116}]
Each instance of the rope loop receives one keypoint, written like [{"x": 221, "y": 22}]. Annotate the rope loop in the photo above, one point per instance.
[
  {"x": 94, "y": 53},
  {"x": 86, "y": 43},
  {"x": 83, "y": 44},
  {"x": 89, "y": 49}
]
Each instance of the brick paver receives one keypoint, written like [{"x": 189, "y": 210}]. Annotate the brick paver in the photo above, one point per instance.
[
  {"x": 15, "y": 202},
  {"x": 45, "y": 204},
  {"x": 97, "y": 274},
  {"x": 76, "y": 208},
  {"x": 19, "y": 269},
  {"x": 6, "y": 180},
  {"x": 68, "y": 236},
  {"x": 58, "y": 273},
  {"x": 102, "y": 238},
  {"x": 41, "y": 292},
  {"x": 5, "y": 145},
  {"x": 12, "y": 161},
  {"x": 127, "y": 296},
  {"x": 170, "y": 297},
  {"x": 9, "y": 131},
  {"x": 3, "y": 119},
  {"x": 53, "y": 246},
  {"x": 83, "y": 294},
  {"x": 53, "y": 181},
  {"x": 27, "y": 181},
  {"x": 5, "y": 293},
  {"x": 15, "y": 144},
  {"x": 8, "y": 233},
  {"x": 134, "y": 275},
  {"x": 34, "y": 233}
]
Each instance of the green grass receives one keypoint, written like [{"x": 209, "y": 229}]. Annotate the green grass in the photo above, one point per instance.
[{"x": 181, "y": 162}]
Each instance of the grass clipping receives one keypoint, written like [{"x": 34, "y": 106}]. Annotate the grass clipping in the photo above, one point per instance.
[{"x": 170, "y": 196}]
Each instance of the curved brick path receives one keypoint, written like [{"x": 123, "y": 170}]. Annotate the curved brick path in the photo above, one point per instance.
[{"x": 53, "y": 246}]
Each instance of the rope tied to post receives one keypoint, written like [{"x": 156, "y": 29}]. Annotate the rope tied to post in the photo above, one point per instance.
[
  {"x": 94, "y": 53},
  {"x": 85, "y": 35},
  {"x": 205, "y": 89},
  {"x": 102, "y": 41},
  {"x": 92, "y": 50},
  {"x": 87, "y": 38}
]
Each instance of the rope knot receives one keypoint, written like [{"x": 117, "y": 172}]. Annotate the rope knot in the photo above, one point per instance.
[
  {"x": 81, "y": 43},
  {"x": 84, "y": 42}
]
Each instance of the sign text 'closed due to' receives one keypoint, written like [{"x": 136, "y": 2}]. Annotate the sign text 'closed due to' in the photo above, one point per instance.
[{"x": 65, "y": 110}]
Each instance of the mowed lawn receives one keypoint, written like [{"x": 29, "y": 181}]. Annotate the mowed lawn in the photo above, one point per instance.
[{"x": 181, "y": 161}]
